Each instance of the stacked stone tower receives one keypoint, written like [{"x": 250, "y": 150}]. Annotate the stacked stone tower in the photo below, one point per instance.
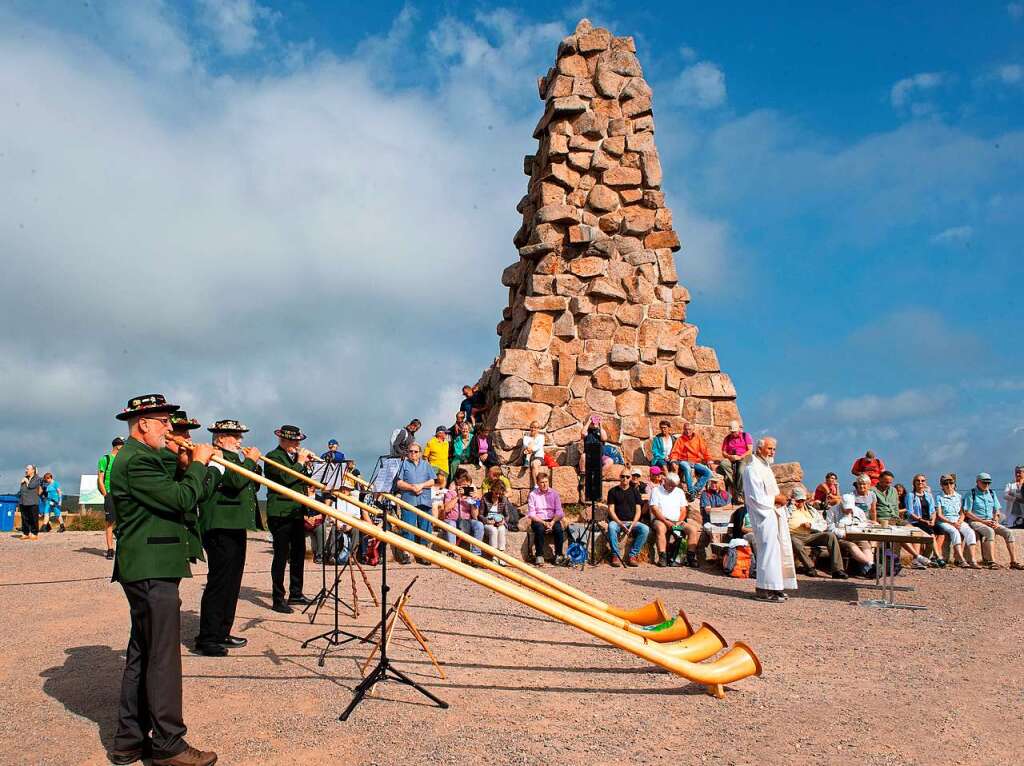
[{"x": 596, "y": 321}]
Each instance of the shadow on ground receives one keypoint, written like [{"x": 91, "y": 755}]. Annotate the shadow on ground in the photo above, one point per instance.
[
  {"x": 88, "y": 684},
  {"x": 822, "y": 590}
]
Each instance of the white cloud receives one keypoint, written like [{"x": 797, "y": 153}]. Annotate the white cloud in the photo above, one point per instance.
[
  {"x": 688, "y": 54},
  {"x": 955, "y": 235},
  {"x": 701, "y": 85},
  {"x": 904, "y": 90},
  {"x": 816, "y": 402},
  {"x": 234, "y": 23},
  {"x": 1015, "y": 10},
  {"x": 1010, "y": 74},
  {"x": 911, "y": 403}
]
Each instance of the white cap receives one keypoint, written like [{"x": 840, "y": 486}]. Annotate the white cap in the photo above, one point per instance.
[{"x": 849, "y": 502}]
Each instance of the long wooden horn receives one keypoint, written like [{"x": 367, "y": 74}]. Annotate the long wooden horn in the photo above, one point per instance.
[
  {"x": 680, "y": 633},
  {"x": 649, "y": 614},
  {"x": 653, "y": 613},
  {"x": 738, "y": 663}
]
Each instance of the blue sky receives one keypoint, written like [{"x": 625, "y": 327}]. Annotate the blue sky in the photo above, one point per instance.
[{"x": 299, "y": 212}]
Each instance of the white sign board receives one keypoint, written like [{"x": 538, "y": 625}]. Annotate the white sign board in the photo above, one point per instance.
[{"x": 87, "y": 492}]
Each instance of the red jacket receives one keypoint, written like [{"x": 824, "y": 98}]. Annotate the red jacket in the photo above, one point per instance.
[{"x": 872, "y": 467}]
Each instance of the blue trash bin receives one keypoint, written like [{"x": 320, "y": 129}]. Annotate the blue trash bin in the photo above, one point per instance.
[{"x": 8, "y": 506}]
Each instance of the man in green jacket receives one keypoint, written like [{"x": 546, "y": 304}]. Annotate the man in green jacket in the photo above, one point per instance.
[
  {"x": 284, "y": 517},
  {"x": 151, "y": 559},
  {"x": 177, "y": 460},
  {"x": 224, "y": 519}
]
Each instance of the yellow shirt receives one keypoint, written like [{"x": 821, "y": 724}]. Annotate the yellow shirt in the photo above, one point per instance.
[
  {"x": 800, "y": 520},
  {"x": 436, "y": 453}
]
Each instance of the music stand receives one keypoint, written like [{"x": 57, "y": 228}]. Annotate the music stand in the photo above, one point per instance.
[{"x": 385, "y": 669}]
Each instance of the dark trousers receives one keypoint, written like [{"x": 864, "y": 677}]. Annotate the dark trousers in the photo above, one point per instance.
[
  {"x": 225, "y": 555},
  {"x": 29, "y": 519},
  {"x": 802, "y": 542},
  {"x": 151, "y": 686},
  {"x": 289, "y": 547},
  {"x": 538, "y": 537}
]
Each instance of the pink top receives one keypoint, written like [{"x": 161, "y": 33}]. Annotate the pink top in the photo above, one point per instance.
[
  {"x": 463, "y": 508},
  {"x": 544, "y": 506},
  {"x": 737, "y": 444}
]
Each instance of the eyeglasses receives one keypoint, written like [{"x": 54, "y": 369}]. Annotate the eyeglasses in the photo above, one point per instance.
[
  {"x": 947, "y": 481},
  {"x": 165, "y": 421}
]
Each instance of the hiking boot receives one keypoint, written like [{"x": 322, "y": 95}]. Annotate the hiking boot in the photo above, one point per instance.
[
  {"x": 632, "y": 562},
  {"x": 662, "y": 560},
  {"x": 691, "y": 560},
  {"x": 561, "y": 561},
  {"x": 538, "y": 561},
  {"x": 614, "y": 561},
  {"x": 62, "y": 527},
  {"x": 188, "y": 757}
]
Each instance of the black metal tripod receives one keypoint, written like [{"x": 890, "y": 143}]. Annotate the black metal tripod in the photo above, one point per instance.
[{"x": 385, "y": 670}]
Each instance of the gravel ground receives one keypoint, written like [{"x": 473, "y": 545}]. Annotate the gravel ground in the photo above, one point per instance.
[{"x": 842, "y": 684}]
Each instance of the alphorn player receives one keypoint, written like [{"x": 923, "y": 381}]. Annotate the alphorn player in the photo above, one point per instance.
[
  {"x": 285, "y": 518},
  {"x": 225, "y": 518},
  {"x": 151, "y": 559},
  {"x": 177, "y": 458}
]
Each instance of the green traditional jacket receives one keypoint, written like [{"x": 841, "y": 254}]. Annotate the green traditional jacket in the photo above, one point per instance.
[
  {"x": 278, "y": 505},
  {"x": 233, "y": 504},
  {"x": 193, "y": 527},
  {"x": 151, "y": 506}
]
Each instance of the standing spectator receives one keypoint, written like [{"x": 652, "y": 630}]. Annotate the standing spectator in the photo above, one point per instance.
[
  {"x": 462, "y": 509},
  {"x": 460, "y": 449},
  {"x": 870, "y": 465},
  {"x": 498, "y": 513},
  {"x": 333, "y": 453},
  {"x": 808, "y": 528},
  {"x": 437, "y": 493},
  {"x": 691, "y": 452},
  {"x": 949, "y": 505},
  {"x": 736, "y": 446},
  {"x": 533, "y": 450},
  {"x": 103, "y": 485},
  {"x": 625, "y": 507},
  {"x": 775, "y": 568},
  {"x": 414, "y": 479},
  {"x": 982, "y": 509},
  {"x": 921, "y": 514},
  {"x": 887, "y": 500},
  {"x": 28, "y": 503},
  {"x": 592, "y": 433},
  {"x": 828, "y": 493},
  {"x": 667, "y": 511},
  {"x": 473, "y": 404},
  {"x": 494, "y": 476},
  {"x": 1014, "y": 496},
  {"x": 661, "y": 445},
  {"x": 482, "y": 449},
  {"x": 402, "y": 438},
  {"x": 545, "y": 513},
  {"x": 437, "y": 449},
  {"x": 50, "y": 498}
]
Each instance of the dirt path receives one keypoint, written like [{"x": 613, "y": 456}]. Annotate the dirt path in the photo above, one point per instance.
[{"x": 842, "y": 684}]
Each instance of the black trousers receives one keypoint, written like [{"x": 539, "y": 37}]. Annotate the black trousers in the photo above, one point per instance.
[
  {"x": 538, "y": 537},
  {"x": 29, "y": 519},
  {"x": 151, "y": 686},
  {"x": 289, "y": 547},
  {"x": 225, "y": 556}
]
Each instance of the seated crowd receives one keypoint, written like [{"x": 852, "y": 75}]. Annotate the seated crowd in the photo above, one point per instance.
[{"x": 685, "y": 490}]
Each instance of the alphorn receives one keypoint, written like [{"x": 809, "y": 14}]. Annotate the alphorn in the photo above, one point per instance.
[
  {"x": 737, "y": 663},
  {"x": 680, "y": 629},
  {"x": 653, "y": 613}
]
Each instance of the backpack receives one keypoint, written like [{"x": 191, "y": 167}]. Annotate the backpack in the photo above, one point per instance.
[
  {"x": 372, "y": 555},
  {"x": 741, "y": 562}
]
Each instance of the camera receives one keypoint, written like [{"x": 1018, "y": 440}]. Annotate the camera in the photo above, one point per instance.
[{"x": 467, "y": 491}]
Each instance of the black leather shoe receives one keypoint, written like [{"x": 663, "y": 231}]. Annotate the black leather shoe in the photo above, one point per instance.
[
  {"x": 233, "y": 642},
  {"x": 211, "y": 650},
  {"x": 300, "y": 599},
  {"x": 125, "y": 756},
  {"x": 839, "y": 574},
  {"x": 282, "y": 607}
]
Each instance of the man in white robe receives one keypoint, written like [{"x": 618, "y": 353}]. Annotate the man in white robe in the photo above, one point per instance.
[{"x": 766, "y": 508}]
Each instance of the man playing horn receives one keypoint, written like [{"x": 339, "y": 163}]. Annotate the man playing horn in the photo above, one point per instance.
[
  {"x": 151, "y": 559},
  {"x": 775, "y": 568},
  {"x": 284, "y": 518},
  {"x": 224, "y": 519}
]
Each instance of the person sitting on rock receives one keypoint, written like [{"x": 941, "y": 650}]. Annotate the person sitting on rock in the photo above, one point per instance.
[
  {"x": 691, "y": 453},
  {"x": 661, "y": 445},
  {"x": 460, "y": 448},
  {"x": 533, "y": 450},
  {"x": 545, "y": 513},
  {"x": 807, "y": 529},
  {"x": 713, "y": 496},
  {"x": 462, "y": 509},
  {"x": 625, "y": 508},
  {"x": 495, "y": 476},
  {"x": 497, "y": 514},
  {"x": 736, "y": 446},
  {"x": 668, "y": 504},
  {"x": 982, "y": 509},
  {"x": 482, "y": 449},
  {"x": 844, "y": 515},
  {"x": 828, "y": 493}
]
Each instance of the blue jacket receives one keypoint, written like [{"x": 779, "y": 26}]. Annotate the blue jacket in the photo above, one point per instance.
[{"x": 914, "y": 507}]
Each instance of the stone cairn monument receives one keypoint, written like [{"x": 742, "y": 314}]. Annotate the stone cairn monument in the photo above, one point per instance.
[{"x": 596, "y": 321}]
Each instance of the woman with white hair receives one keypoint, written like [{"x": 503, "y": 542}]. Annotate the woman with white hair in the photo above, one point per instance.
[
  {"x": 863, "y": 496},
  {"x": 952, "y": 523}
]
